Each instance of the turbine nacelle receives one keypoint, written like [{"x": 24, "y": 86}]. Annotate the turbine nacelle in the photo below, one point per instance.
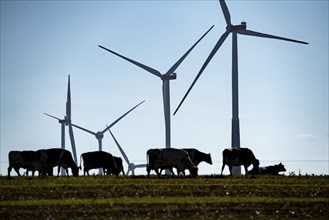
[
  {"x": 169, "y": 77},
  {"x": 99, "y": 135},
  {"x": 237, "y": 28}
]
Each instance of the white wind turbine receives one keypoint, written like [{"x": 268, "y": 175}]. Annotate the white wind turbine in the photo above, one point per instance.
[
  {"x": 169, "y": 75},
  {"x": 131, "y": 166},
  {"x": 67, "y": 122},
  {"x": 235, "y": 30},
  {"x": 100, "y": 134}
]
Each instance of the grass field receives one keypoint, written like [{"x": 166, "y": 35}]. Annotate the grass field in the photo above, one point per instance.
[{"x": 206, "y": 197}]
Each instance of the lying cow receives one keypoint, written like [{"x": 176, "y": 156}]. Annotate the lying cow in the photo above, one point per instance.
[
  {"x": 47, "y": 159},
  {"x": 101, "y": 159},
  {"x": 237, "y": 157},
  {"x": 196, "y": 157},
  {"x": 269, "y": 170},
  {"x": 167, "y": 158},
  {"x": 22, "y": 159}
]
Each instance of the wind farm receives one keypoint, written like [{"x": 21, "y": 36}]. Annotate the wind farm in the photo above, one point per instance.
[
  {"x": 265, "y": 94},
  {"x": 275, "y": 117}
]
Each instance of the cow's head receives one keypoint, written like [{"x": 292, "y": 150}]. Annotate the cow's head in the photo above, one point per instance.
[
  {"x": 208, "y": 159},
  {"x": 75, "y": 171},
  {"x": 256, "y": 163},
  {"x": 280, "y": 167},
  {"x": 194, "y": 171}
]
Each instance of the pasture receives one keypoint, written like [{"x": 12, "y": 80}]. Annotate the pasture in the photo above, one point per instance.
[{"x": 205, "y": 197}]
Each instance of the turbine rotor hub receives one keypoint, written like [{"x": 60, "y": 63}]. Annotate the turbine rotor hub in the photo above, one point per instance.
[
  {"x": 236, "y": 28},
  {"x": 99, "y": 135},
  {"x": 169, "y": 77}
]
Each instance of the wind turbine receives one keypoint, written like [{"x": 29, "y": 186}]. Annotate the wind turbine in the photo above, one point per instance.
[
  {"x": 67, "y": 122},
  {"x": 131, "y": 166},
  {"x": 100, "y": 134},
  {"x": 169, "y": 75},
  {"x": 235, "y": 30}
]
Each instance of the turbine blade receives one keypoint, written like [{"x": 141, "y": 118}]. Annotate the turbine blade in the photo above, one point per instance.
[
  {"x": 258, "y": 34},
  {"x": 120, "y": 148},
  {"x": 116, "y": 121},
  {"x": 175, "y": 66},
  {"x": 74, "y": 151},
  {"x": 140, "y": 165},
  {"x": 225, "y": 12},
  {"x": 52, "y": 116},
  {"x": 81, "y": 128},
  {"x": 149, "y": 69},
  {"x": 213, "y": 52},
  {"x": 68, "y": 100}
]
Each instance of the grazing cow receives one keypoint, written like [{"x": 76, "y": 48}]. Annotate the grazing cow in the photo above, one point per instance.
[
  {"x": 167, "y": 158},
  {"x": 269, "y": 170},
  {"x": 237, "y": 157},
  {"x": 49, "y": 158},
  {"x": 22, "y": 159},
  {"x": 100, "y": 159},
  {"x": 196, "y": 157}
]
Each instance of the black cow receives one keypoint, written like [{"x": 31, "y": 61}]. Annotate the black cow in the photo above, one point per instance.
[
  {"x": 196, "y": 157},
  {"x": 100, "y": 159},
  {"x": 269, "y": 170},
  {"x": 167, "y": 158},
  {"x": 237, "y": 157},
  {"x": 22, "y": 159},
  {"x": 47, "y": 159}
]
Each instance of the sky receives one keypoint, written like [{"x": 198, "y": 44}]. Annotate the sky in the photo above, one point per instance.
[{"x": 283, "y": 86}]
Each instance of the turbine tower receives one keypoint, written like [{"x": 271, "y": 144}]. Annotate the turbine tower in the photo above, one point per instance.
[
  {"x": 67, "y": 122},
  {"x": 170, "y": 75},
  {"x": 235, "y": 30},
  {"x": 131, "y": 166}
]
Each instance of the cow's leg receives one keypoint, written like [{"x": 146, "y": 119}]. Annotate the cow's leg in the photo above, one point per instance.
[
  {"x": 17, "y": 171},
  {"x": 148, "y": 170},
  {"x": 230, "y": 167},
  {"x": 58, "y": 170},
  {"x": 9, "y": 170},
  {"x": 222, "y": 169},
  {"x": 157, "y": 172}
]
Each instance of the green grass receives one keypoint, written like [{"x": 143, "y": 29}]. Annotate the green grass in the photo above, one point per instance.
[{"x": 139, "y": 197}]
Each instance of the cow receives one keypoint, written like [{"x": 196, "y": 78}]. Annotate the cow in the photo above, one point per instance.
[
  {"x": 100, "y": 159},
  {"x": 168, "y": 158},
  {"x": 237, "y": 157},
  {"x": 47, "y": 159},
  {"x": 22, "y": 159},
  {"x": 196, "y": 157},
  {"x": 269, "y": 170}
]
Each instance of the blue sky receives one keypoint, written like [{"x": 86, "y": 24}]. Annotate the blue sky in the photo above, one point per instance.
[{"x": 283, "y": 87}]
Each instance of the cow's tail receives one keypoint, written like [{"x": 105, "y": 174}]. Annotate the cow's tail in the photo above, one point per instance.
[{"x": 80, "y": 162}]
